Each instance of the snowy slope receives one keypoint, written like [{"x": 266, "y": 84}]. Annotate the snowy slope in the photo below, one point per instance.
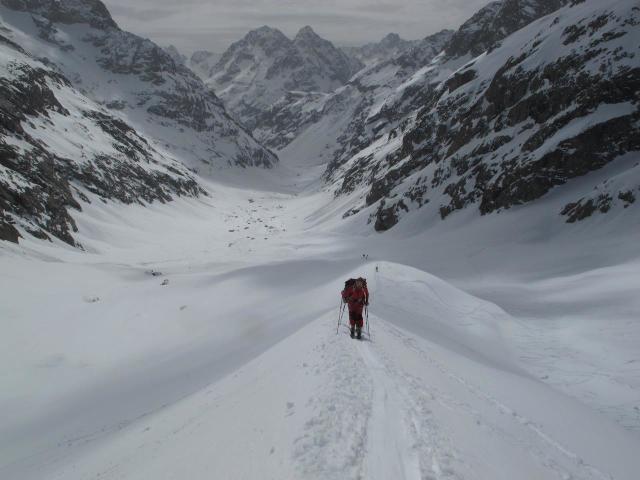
[
  {"x": 197, "y": 378},
  {"x": 484, "y": 30}
]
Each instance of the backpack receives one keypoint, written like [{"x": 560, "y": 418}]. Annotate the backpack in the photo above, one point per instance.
[{"x": 351, "y": 282}]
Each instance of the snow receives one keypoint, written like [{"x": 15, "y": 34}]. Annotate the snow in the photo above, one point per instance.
[{"x": 197, "y": 339}]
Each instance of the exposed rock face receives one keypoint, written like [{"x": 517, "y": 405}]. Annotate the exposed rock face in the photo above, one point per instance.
[
  {"x": 265, "y": 66},
  {"x": 91, "y": 12},
  {"x": 601, "y": 200},
  {"x": 7, "y": 230},
  {"x": 495, "y": 22},
  {"x": 555, "y": 101}
]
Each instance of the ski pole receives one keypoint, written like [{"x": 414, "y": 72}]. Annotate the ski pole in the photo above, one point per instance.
[
  {"x": 366, "y": 313},
  {"x": 341, "y": 310}
]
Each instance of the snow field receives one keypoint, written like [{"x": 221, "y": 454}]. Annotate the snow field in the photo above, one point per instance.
[{"x": 435, "y": 393}]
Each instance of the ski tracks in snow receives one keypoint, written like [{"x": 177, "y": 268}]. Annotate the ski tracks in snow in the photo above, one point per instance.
[
  {"x": 393, "y": 433},
  {"x": 392, "y": 409},
  {"x": 334, "y": 437}
]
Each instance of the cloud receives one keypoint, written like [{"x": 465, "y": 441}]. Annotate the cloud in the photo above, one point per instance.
[{"x": 215, "y": 24}]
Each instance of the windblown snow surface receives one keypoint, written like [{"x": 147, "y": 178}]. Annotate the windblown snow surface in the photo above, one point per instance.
[{"x": 233, "y": 368}]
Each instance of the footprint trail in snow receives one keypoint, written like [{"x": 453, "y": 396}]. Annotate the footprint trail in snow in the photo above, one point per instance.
[{"x": 393, "y": 409}]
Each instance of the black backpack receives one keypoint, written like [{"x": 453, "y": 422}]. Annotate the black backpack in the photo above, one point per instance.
[{"x": 351, "y": 282}]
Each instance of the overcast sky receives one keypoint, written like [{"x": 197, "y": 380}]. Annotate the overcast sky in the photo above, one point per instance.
[{"x": 215, "y": 24}]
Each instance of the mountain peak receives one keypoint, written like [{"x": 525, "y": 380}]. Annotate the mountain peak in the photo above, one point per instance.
[
  {"x": 265, "y": 31},
  {"x": 496, "y": 21},
  {"x": 391, "y": 40},
  {"x": 265, "y": 36},
  {"x": 307, "y": 33},
  {"x": 265, "y": 66}
]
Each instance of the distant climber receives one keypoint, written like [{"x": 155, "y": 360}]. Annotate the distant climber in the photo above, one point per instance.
[{"x": 356, "y": 296}]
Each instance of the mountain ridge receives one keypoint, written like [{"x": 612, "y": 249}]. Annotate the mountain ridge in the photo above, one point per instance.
[{"x": 265, "y": 65}]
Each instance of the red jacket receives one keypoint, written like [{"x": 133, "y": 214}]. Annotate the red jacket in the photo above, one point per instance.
[{"x": 356, "y": 298}]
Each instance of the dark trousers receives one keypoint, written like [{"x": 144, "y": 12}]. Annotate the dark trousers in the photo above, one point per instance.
[{"x": 355, "y": 318}]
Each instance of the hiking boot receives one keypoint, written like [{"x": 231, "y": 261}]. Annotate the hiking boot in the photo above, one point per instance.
[
  {"x": 352, "y": 331},
  {"x": 359, "y": 334}
]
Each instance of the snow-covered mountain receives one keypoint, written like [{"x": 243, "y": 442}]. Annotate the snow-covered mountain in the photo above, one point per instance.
[
  {"x": 90, "y": 109},
  {"x": 265, "y": 65},
  {"x": 397, "y": 107},
  {"x": 392, "y": 88},
  {"x": 503, "y": 129},
  {"x": 335, "y": 120},
  {"x": 389, "y": 47}
]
